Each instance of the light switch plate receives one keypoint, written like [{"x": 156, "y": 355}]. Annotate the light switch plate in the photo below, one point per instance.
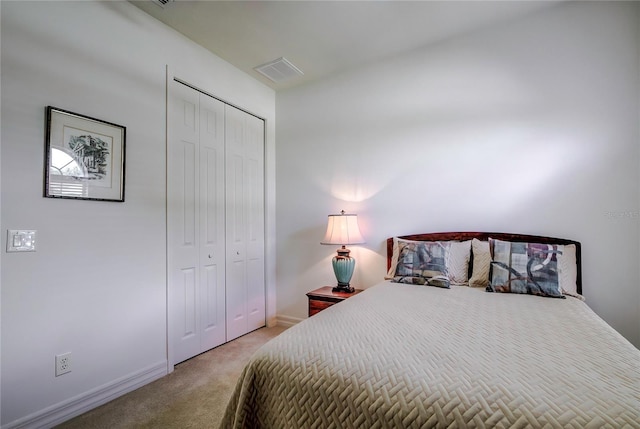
[{"x": 21, "y": 240}]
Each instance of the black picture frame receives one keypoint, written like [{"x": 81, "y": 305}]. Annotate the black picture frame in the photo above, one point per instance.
[{"x": 84, "y": 157}]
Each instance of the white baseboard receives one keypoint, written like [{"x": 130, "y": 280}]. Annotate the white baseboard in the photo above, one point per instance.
[
  {"x": 287, "y": 321},
  {"x": 272, "y": 321},
  {"x": 82, "y": 403}
]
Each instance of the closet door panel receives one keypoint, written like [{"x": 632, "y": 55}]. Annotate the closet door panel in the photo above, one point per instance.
[
  {"x": 235, "y": 232},
  {"x": 182, "y": 222},
  {"x": 255, "y": 294},
  {"x": 212, "y": 316},
  {"x": 254, "y": 203},
  {"x": 245, "y": 223},
  {"x": 236, "y": 299},
  {"x": 212, "y": 225},
  {"x": 186, "y": 297}
]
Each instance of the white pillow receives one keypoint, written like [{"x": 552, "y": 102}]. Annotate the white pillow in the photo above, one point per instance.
[
  {"x": 458, "y": 263},
  {"x": 481, "y": 263},
  {"x": 568, "y": 271},
  {"x": 394, "y": 259}
]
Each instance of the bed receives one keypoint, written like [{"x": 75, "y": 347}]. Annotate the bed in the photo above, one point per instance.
[{"x": 407, "y": 355}]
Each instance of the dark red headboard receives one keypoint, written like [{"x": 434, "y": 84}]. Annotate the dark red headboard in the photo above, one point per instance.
[{"x": 484, "y": 236}]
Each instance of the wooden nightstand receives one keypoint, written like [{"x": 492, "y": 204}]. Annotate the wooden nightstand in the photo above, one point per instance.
[{"x": 324, "y": 297}]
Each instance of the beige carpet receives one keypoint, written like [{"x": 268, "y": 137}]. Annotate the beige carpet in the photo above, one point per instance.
[{"x": 194, "y": 395}]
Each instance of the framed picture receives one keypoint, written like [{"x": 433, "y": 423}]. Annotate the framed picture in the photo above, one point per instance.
[{"x": 84, "y": 157}]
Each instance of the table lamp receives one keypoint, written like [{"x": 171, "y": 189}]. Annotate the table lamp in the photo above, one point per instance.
[{"x": 343, "y": 229}]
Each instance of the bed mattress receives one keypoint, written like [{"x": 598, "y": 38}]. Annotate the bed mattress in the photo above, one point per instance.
[{"x": 405, "y": 356}]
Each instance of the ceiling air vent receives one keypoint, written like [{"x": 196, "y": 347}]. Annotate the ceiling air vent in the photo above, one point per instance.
[
  {"x": 162, "y": 3},
  {"x": 279, "y": 70}
]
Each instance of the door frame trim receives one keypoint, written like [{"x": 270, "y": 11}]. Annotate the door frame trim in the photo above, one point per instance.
[{"x": 177, "y": 79}]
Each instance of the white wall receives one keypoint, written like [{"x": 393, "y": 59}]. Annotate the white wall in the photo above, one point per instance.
[
  {"x": 96, "y": 285},
  {"x": 530, "y": 126}
]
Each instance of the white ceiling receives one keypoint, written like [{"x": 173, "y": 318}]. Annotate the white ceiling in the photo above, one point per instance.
[{"x": 325, "y": 37}]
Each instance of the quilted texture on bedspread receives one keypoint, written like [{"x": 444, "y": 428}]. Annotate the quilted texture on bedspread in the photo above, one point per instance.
[{"x": 404, "y": 356}]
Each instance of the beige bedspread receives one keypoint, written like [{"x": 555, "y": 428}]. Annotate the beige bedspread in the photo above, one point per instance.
[{"x": 404, "y": 356}]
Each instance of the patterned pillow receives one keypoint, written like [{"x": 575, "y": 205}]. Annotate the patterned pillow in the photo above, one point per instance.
[
  {"x": 420, "y": 262},
  {"x": 437, "y": 281},
  {"x": 524, "y": 268}
]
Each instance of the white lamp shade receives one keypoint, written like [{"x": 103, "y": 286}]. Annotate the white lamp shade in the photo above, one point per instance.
[{"x": 343, "y": 229}]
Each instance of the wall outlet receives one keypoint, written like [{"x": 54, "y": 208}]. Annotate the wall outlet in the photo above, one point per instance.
[{"x": 63, "y": 364}]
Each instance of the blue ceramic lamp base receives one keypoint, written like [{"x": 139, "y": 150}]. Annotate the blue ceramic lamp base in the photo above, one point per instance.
[{"x": 343, "y": 266}]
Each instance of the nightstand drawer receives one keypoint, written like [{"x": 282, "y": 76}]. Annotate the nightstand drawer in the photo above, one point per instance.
[
  {"x": 324, "y": 297},
  {"x": 316, "y": 306}
]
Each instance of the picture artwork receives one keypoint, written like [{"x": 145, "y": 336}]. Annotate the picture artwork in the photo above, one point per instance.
[{"x": 85, "y": 157}]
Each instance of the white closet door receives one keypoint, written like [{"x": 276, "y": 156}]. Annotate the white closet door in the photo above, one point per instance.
[
  {"x": 254, "y": 203},
  {"x": 195, "y": 222},
  {"x": 245, "y": 222},
  {"x": 212, "y": 226},
  {"x": 183, "y": 220}
]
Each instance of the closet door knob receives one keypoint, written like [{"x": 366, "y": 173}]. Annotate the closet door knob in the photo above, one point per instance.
[
  {"x": 238, "y": 253},
  {"x": 210, "y": 257}
]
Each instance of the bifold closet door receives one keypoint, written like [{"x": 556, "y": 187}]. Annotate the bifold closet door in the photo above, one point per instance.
[
  {"x": 244, "y": 170},
  {"x": 195, "y": 222}
]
